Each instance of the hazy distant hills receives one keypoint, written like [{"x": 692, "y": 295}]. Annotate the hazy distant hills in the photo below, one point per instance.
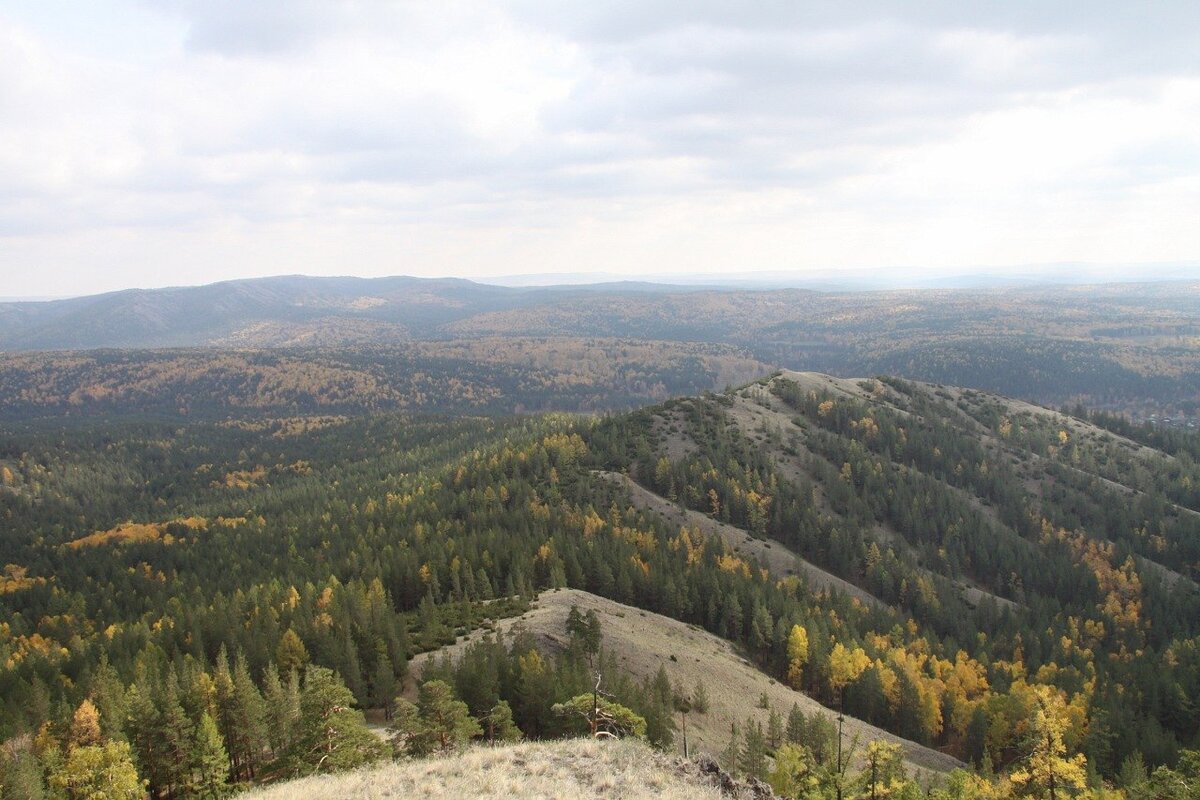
[
  {"x": 1128, "y": 347},
  {"x": 270, "y": 312}
]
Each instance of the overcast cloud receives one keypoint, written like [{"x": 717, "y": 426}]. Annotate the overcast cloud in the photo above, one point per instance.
[{"x": 145, "y": 144}]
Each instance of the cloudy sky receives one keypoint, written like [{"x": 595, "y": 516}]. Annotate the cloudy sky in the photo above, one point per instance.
[{"x": 181, "y": 141}]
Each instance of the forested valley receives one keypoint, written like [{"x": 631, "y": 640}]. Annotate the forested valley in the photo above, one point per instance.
[{"x": 214, "y": 603}]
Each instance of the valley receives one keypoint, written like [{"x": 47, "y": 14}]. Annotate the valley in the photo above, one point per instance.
[{"x": 946, "y": 556}]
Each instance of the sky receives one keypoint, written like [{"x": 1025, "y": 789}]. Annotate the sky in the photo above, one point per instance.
[{"x": 188, "y": 141}]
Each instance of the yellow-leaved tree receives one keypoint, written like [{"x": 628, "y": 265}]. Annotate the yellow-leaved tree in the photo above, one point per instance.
[
  {"x": 797, "y": 651},
  {"x": 845, "y": 665},
  {"x": 1048, "y": 771}
]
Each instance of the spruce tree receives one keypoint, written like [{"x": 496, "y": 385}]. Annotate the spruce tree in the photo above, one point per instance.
[
  {"x": 108, "y": 694},
  {"x": 383, "y": 683}
]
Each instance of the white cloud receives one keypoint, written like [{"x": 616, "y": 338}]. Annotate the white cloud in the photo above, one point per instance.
[{"x": 214, "y": 140}]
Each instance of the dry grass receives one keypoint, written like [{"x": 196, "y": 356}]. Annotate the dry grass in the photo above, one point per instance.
[
  {"x": 643, "y": 641},
  {"x": 579, "y": 768}
]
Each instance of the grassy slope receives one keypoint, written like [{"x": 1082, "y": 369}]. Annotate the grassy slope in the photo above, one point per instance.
[
  {"x": 643, "y": 641},
  {"x": 579, "y": 768}
]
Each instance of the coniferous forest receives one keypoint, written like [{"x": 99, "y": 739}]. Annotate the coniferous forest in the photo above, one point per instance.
[{"x": 190, "y": 607}]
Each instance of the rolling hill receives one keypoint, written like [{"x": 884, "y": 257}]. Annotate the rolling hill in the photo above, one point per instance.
[{"x": 1124, "y": 347}]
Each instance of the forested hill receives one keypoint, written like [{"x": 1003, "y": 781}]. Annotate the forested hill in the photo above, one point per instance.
[
  {"x": 1027, "y": 546},
  {"x": 958, "y": 568},
  {"x": 1124, "y": 347},
  {"x": 490, "y": 376}
]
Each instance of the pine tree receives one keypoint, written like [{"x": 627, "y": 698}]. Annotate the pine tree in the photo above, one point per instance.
[
  {"x": 282, "y": 701},
  {"x": 795, "y": 725},
  {"x": 500, "y": 725},
  {"x": 210, "y": 762},
  {"x": 774, "y": 730},
  {"x": 753, "y": 758},
  {"x": 731, "y": 755},
  {"x": 448, "y": 722},
  {"x": 175, "y": 739},
  {"x": 247, "y": 716},
  {"x": 330, "y": 735},
  {"x": 406, "y": 731},
  {"x": 593, "y": 714}
]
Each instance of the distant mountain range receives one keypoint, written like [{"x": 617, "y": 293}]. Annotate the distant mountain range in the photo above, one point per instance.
[
  {"x": 1128, "y": 347},
  {"x": 266, "y": 312},
  {"x": 297, "y": 311}
]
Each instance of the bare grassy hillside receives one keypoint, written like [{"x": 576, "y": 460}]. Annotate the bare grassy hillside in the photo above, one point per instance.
[
  {"x": 643, "y": 641},
  {"x": 577, "y": 768}
]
